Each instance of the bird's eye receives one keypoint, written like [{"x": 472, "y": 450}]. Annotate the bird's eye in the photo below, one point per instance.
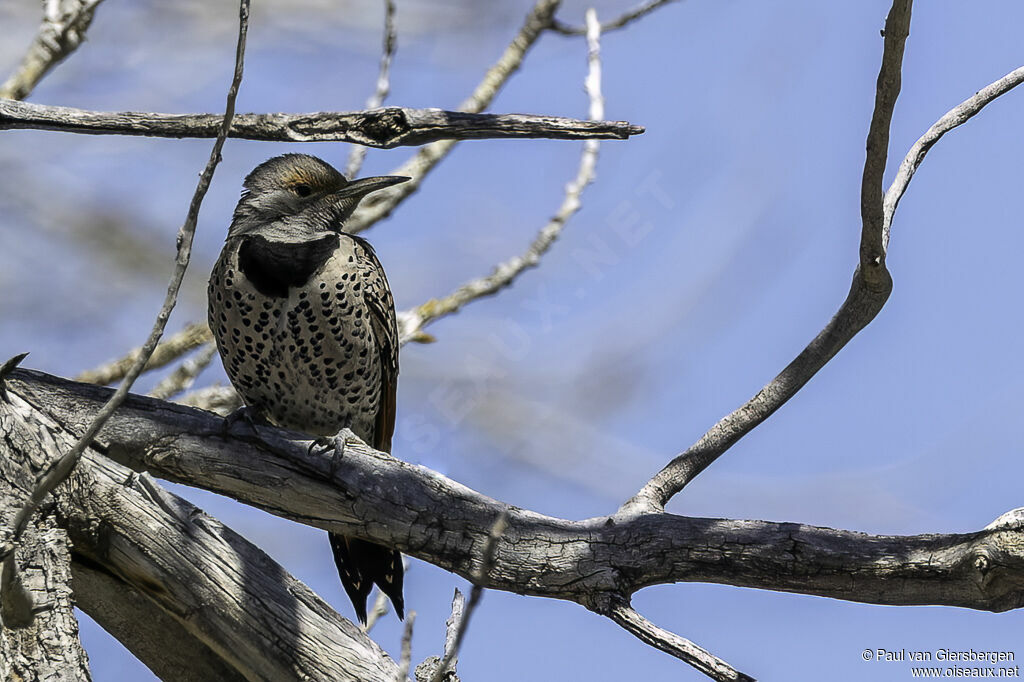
[{"x": 303, "y": 190}]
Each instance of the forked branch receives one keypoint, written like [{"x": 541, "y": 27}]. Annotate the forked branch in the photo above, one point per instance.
[{"x": 868, "y": 293}]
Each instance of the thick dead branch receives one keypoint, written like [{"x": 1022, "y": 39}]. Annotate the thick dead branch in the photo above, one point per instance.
[
  {"x": 60, "y": 33},
  {"x": 379, "y": 205},
  {"x": 46, "y": 645},
  {"x": 236, "y": 600},
  {"x": 38, "y": 628},
  {"x": 160, "y": 642},
  {"x": 186, "y": 585},
  {"x": 440, "y": 521},
  {"x": 382, "y": 128},
  {"x": 870, "y": 290}
]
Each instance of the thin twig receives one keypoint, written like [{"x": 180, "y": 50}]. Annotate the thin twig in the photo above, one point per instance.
[
  {"x": 451, "y": 650},
  {"x": 384, "y": 128},
  {"x": 412, "y": 322},
  {"x": 358, "y": 153},
  {"x": 406, "y": 658},
  {"x": 868, "y": 293},
  {"x": 58, "y": 472},
  {"x": 182, "y": 378},
  {"x": 431, "y": 670},
  {"x": 379, "y": 205},
  {"x": 956, "y": 116},
  {"x": 61, "y": 32},
  {"x": 647, "y": 632},
  {"x": 222, "y": 400},
  {"x": 381, "y": 606},
  {"x": 451, "y": 630},
  {"x": 9, "y": 366},
  {"x": 166, "y": 352},
  {"x": 619, "y": 22}
]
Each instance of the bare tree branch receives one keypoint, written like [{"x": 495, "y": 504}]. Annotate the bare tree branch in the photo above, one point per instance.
[
  {"x": 868, "y": 293},
  {"x": 38, "y": 628},
  {"x": 405, "y": 660},
  {"x": 162, "y": 643},
  {"x": 428, "y": 669},
  {"x": 621, "y": 21},
  {"x": 379, "y": 205},
  {"x": 380, "y": 608},
  {"x": 61, "y": 32},
  {"x": 897, "y": 28},
  {"x": 166, "y": 352},
  {"x": 451, "y": 629},
  {"x": 412, "y": 322},
  {"x": 214, "y": 595},
  {"x": 451, "y": 651},
  {"x": 358, "y": 153},
  {"x": 222, "y": 400},
  {"x": 956, "y": 116},
  {"x": 383, "y": 128},
  {"x": 45, "y": 646},
  {"x": 182, "y": 378},
  {"x": 647, "y": 632},
  {"x": 428, "y": 516},
  {"x": 57, "y": 472}
]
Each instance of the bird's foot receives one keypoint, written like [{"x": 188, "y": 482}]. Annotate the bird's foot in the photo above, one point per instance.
[
  {"x": 249, "y": 415},
  {"x": 335, "y": 444}
]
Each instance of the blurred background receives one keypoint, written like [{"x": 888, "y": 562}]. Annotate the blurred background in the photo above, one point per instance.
[{"x": 708, "y": 252}]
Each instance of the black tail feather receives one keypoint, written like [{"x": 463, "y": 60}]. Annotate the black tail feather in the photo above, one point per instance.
[{"x": 362, "y": 564}]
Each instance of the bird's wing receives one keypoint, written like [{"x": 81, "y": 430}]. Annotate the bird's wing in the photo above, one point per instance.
[{"x": 377, "y": 294}]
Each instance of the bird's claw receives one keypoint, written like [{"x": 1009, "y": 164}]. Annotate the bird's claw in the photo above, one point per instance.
[
  {"x": 244, "y": 413},
  {"x": 336, "y": 444}
]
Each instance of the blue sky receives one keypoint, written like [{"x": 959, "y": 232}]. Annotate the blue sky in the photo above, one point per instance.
[{"x": 744, "y": 192}]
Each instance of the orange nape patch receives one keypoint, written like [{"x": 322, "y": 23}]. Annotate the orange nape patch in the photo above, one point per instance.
[{"x": 305, "y": 176}]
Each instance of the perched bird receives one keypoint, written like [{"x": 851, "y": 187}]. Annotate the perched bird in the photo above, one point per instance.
[{"x": 305, "y": 324}]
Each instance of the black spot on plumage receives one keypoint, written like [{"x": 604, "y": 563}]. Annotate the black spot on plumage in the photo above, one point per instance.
[{"x": 273, "y": 267}]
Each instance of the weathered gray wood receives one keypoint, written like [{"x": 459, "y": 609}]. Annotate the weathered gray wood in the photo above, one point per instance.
[
  {"x": 211, "y": 586},
  {"x": 48, "y": 648},
  {"x": 39, "y": 632},
  {"x": 375, "y": 497},
  {"x": 383, "y": 128},
  {"x": 162, "y": 643}
]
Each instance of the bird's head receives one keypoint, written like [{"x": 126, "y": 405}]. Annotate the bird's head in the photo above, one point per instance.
[{"x": 297, "y": 197}]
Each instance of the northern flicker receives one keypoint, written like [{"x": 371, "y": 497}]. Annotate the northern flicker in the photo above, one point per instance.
[{"x": 305, "y": 324}]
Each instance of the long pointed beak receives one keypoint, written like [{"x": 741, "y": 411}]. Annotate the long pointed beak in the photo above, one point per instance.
[{"x": 364, "y": 186}]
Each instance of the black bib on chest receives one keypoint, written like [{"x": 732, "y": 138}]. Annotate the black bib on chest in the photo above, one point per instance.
[{"x": 273, "y": 267}]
